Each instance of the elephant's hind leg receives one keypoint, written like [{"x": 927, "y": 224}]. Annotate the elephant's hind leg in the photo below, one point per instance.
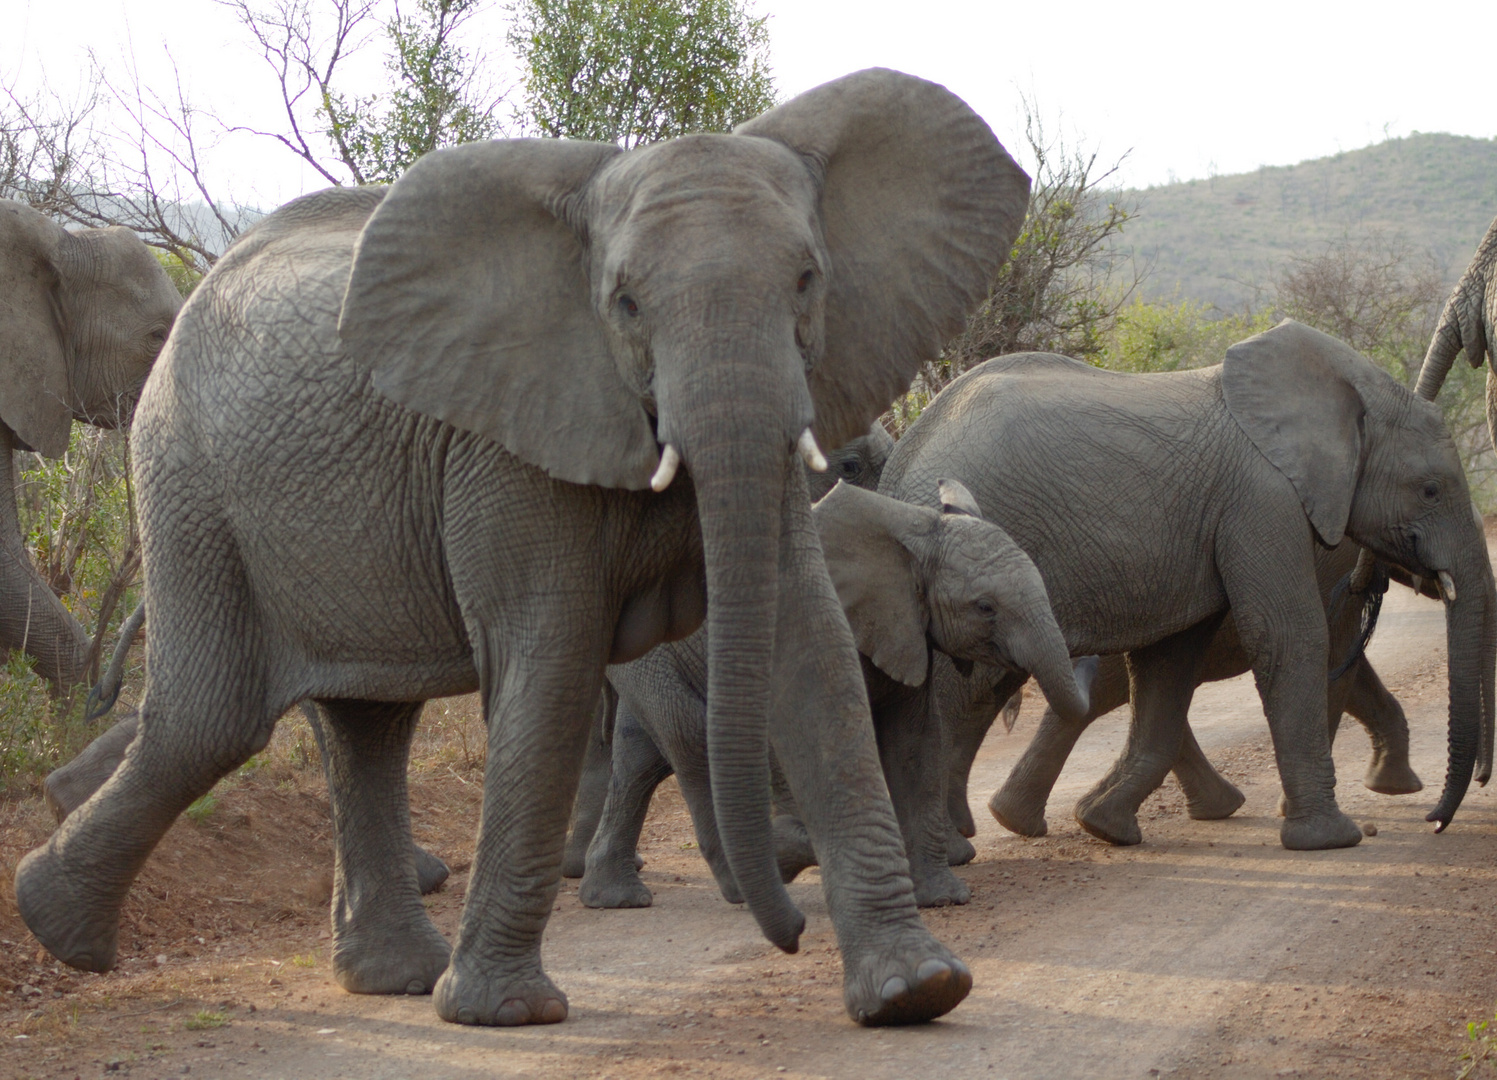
[
  {"x": 611, "y": 879},
  {"x": 1163, "y": 678},
  {"x": 205, "y": 713},
  {"x": 383, "y": 942},
  {"x": 1209, "y": 796},
  {"x": 1368, "y": 700}
]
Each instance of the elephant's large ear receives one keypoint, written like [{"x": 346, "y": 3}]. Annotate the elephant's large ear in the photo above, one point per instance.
[
  {"x": 1293, "y": 390},
  {"x": 920, "y": 206},
  {"x": 33, "y": 362},
  {"x": 863, "y": 535},
  {"x": 469, "y": 301}
]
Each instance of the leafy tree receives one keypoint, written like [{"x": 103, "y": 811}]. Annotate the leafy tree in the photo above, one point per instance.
[
  {"x": 1173, "y": 336},
  {"x": 636, "y": 71}
]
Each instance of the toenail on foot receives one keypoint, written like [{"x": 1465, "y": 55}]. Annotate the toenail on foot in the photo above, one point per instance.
[
  {"x": 467, "y": 1016},
  {"x": 932, "y": 969},
  {"x": 512, "y": 1013},
  {"x": 415, "y": 986},
  {"x": 553, "y": 1012},
  {"x": 894, "y": 989}
]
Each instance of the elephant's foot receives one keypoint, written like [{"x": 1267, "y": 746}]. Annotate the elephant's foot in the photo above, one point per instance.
[
  {"x": 1018, "y": 814},
  {"x": 613, "y": 883},
  {"x": 1320, "y": 832},
  {"x": 464, "y": 996},
  {"x": 1214, "y": 803},
  {"x": 961, "y": 817},
  {"x": 910, "y": 983},
  {"x": 792, "y": 847},
  {"x": 574, "y": 859},
  {"x": 937, "y": 886},
  {"x": 959, "y": 850},
  {"x": 65, "y": 914},
  {"x": 1391, "y": 777},
  {"x": 1109, "y": 819},
  {"x": 430, "y": 871},
  {"x": 388, "y": 959}
]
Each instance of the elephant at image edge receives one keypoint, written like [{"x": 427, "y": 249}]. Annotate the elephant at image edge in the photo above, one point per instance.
[
  {"x": 403, "y": 444},
  {"x": 1206, "y": 491},
  {"x": 1019, "y": 805},
  {"x": 1469, "y": 322},
  {"x": 910, "y": 580},
  {"x": 83, "y": 315},
  {"x": 859, "y": 462}
]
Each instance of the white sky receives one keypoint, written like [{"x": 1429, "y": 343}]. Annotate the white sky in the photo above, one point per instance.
[{"x": 1183, "y": 88}]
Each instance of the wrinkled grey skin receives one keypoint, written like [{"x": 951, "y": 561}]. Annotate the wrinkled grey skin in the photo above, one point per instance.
[
  {"x": 69, "y": 786},
  {"x": 1019, "y": 805},
  {"x": 1207, "y": 490},
  {"x": 83, "y": 315},
  {"x": 860, "y": 463},
  {"x": 911, "y": 581},
  {"x": 401, "y": 445}
]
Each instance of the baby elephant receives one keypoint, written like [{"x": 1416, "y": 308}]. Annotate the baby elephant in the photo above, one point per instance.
[{"x": 910, "y": 579}]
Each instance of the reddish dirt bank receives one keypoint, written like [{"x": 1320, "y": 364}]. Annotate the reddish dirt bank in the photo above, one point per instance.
[{"x": 1207, "y": 951}]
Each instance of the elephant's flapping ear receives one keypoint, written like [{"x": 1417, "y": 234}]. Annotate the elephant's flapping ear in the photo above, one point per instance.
[
  {"x": 956, "y": 499},
  {"x": 33, "y": 361},
  {"x": 864, "y": 536},
  {"x": 469, "y": 301},
  {"x": 920, "y": 206},
  {"x": 1292, "y": 389}
]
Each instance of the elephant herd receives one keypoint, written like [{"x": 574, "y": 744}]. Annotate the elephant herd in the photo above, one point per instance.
[{"x": 543, "y": 420}]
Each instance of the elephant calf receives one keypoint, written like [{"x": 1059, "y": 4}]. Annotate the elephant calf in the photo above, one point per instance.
[{"x": 910, "y": 579}]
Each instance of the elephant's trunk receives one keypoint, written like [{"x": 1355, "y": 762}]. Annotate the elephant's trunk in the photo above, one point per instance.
[
  {"x": 1041, "y": 650},
  {"x": 1462, "y": 322},
  {"x": 1472, "y": 652},
  {"x": 735, "y": 424},
  {"x": 32, "y": 619}
]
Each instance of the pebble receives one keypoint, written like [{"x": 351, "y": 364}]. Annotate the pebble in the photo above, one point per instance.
[{"x": 1369, "y": 829}]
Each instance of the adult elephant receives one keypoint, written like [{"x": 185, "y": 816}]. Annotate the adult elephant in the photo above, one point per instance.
[
  {"x": 422, "y": 442},
  {"x": 1354, "y": 688},
  {"x": 1207, "y": 491},
  {"x": 1469, "y": 322},
  {"x": 83, "y": 315},
  {"x": 912, "y": 581}
]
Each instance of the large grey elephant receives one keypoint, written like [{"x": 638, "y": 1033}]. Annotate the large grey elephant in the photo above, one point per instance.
[
  {"x": 83, "y": 315},
  {"x": 535, "y": 409},
  {"x": 1469, "y": 322},
  {"x": 1354, "y": 688},
  {"x": 1208, "y": 491},
  {"x": 911, "y": 581}
]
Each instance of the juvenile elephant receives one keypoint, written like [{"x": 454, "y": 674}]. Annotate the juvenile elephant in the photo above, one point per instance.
[
  {"x": 1019, "y": 805},
  {"x": 83, "y": 314},
  {"x": 911, "y": 580},
  {"x": 422, "y": 441},
  {"x": 1207, "y": 491},
  {"x": 1469, "y": 322}
]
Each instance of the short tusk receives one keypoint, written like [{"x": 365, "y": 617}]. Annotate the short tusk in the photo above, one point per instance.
[
  {"x": 1418, "y": 584},
  {"x": 1447, "y": 586},
  {"x": 669, "y": 459},
  {"x": 811, "y": 453}
]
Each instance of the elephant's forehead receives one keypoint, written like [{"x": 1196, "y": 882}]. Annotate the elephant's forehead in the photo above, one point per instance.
[{"x": 715, "y": 178}]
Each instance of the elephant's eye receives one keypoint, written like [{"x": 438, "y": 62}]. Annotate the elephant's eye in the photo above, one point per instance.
[
  {"x": 628, "y": 306},
  {"x": 985, "y": 608},
  {"x": 1431, "y": 490},
  {"x": 805, "y": 281},
  {"x": 849, "y": 468}
]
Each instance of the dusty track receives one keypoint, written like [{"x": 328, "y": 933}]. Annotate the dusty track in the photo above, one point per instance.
[{"x": 1207, "y": 951}]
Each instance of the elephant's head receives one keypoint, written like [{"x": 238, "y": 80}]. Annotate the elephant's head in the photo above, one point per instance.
[
  {"x": 910, "y": 577},
  {"x": 713, "y": 302},
  {"x": 859, "y": 463},
  {"x": 1374, "y": 462},
  {"x": 1468, "y": 321},
  {"x": 82, "y": 317}
]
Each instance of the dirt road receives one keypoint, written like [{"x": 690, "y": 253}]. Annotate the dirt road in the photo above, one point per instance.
[{"x": 1208, "y": 951}]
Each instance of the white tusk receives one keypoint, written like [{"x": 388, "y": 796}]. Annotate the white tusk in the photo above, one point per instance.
[
  {"x": 811, "y": 453},
  {"x": 669, "y": 459},
  {"x": 1447, "y": 586}
]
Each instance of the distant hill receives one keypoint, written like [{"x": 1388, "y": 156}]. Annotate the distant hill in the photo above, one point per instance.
[{"x": 1205, "y": 238}]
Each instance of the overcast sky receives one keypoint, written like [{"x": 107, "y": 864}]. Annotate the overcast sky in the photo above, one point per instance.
[{"x": 1183, "y": 89}]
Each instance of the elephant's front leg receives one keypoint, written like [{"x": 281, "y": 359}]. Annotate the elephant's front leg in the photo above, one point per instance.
[
  {"x": 914, "y": 752},
  {"x": 592, "y": 790},
  {"x": 1019, "y": 805},
  {"x": 1282, "y": 625},
  {"x": 894, "y": 971},
  {"x": 1368, "y": 700},
  {"x": 383, "y": 941},
  {"x": 1209, "y": 796},
  {"x": 1163, "y": 678},
  {"x": 967, "y": 706},
  {"x": 539, "y": 698}
]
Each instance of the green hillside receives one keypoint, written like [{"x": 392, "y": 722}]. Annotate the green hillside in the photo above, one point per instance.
[{"x": 1212, "y": 239}]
